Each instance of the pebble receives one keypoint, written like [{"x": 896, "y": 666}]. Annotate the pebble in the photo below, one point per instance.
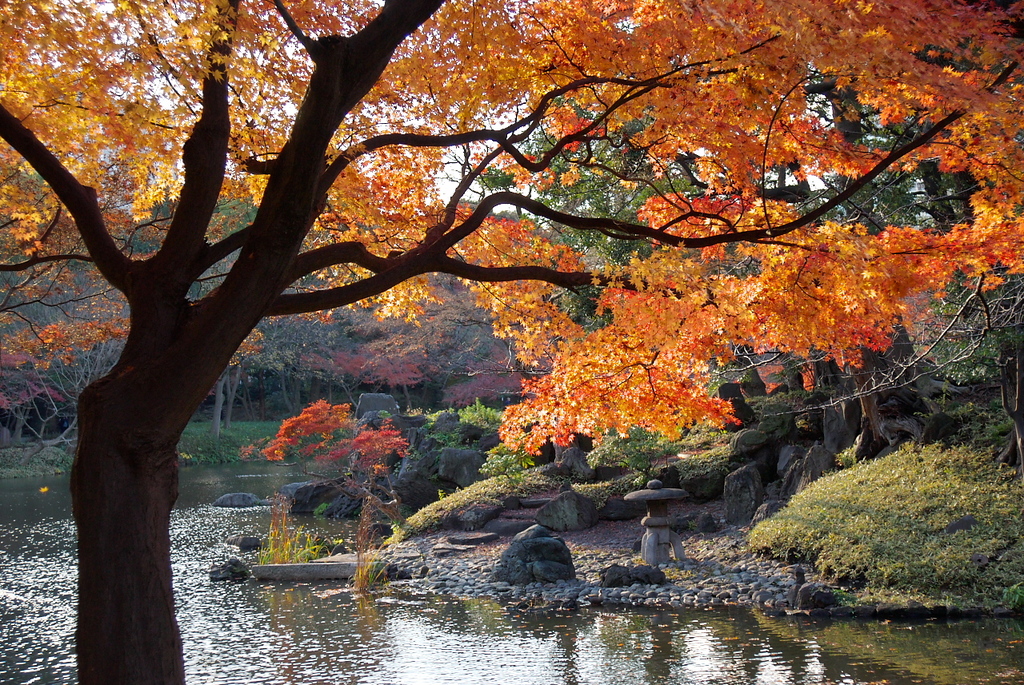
[{"x": 693, "y": 582}]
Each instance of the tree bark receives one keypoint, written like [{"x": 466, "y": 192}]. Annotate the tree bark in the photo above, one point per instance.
[
  {"x": 218, "y": 404},
  {"x": 124, "y": 483},
  {"x": 1012, "y": 394},
  {"x": 234, "y": 378}
]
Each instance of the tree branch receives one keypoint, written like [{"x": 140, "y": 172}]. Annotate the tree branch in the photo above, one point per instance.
[
  {"x": 307, "y": 43},
  {"x": 29, "y": 263},
  {"x": 80, "y": 200}
]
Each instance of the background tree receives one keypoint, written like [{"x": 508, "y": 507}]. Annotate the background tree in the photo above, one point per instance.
[{"x": 144, "y": 121}]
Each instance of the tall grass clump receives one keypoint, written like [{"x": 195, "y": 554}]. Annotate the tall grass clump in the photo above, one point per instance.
[
  {"x": 287, "y": 545},
  {"x": 881, "y": 524}
]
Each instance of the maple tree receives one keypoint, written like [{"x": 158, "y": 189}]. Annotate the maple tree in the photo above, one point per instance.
[{"x": 152, "y": 125}]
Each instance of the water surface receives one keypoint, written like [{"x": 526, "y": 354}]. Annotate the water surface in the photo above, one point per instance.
[{"x": 311, "y": 634}]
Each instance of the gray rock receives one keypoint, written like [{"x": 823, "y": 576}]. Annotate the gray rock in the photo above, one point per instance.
[
  {"x": 777, "y": 422},
  {"x": 623, "y": 576},
  {"x": 840, "y": 425},
  {"x": 575, "y": 460},
  {"x": 813, "y": 466},
  {"x": 287, "y": 491},
  {"x": 376, "y": 401},
  {"x": 767, "y": 510},
  {"x": 232, "y": 569},
  {"x": 461, "y": 467},
  {"x": 569, "y": 511},
  {"x": 788, "y": 455},
  {"x": 706, "y": 523},
  {"x": 244, "y": 543},
  {"x": 446, "y": 422},
  {"x": 238, "y": 500},
  {"x": 618, "y": 509},
  {"x": 416, "y": 486},
  {"x": 747, "y": 442},
  {"x": 344, "y": 507},
  {"x": 312, "y": 495},
  {"x": 962, "y": 523},
  {"x": 473, "y": 517},
  {"x": 519, "y": 562},
  {"x": 507, "y": 527},
  {"x": 939, "y": 426},
  {"x": 743, "y": 494},
  {"x": 743, "y": 412}
]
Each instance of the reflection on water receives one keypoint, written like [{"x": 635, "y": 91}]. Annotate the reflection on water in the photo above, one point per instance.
[{"x": 248, "y": 633}]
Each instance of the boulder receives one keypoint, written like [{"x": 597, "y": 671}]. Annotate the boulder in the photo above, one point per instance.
[
  {"x": 416, "y": 486},
  {"x": 244, "y": 543},
  {"x": 535, "y": 555},
  {"x": 232, "y": 569},
  {"x": 704, "y": 488},
  {"x": 376, "y": 401},
  {"x": 743, "y": 494},
  {"x": 767, "y": 510},
  {"x": 488, "y": 441},
  {"x": 777, "y": 422},
  {"x": 939, "y": 426},
  {"x": 461, "y": 467},
  {"x": 288, "y": 490},
  {"x": 507, "y": 527},
  {"x": 815, "y": 463},
  {"x": 623, "y": 576},
  {"x": 238, "y": 500},
  {"x": 747, "y": 442},
  {"x": 706, "y": 523},
  {"x": 344, "y": 507},
  {"x": 568, "y": 511},
  {"x": 840, "y": 425},
  {"x": 473, "y": 517},
  {"x": 618, "y": 509},
  {"x": 575, "y": 460},
  {"x": 312, "y": 495},
  {"x": 743, "y": 412},
  {"x": 446, "y": 422},
  {"x": 788, "y": 455},
  {"x": 962, "y": 523},
  {"x": 809, "y": 425}
]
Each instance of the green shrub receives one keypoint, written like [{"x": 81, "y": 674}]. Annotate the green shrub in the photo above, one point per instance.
[
  {"x": 30, "y": 461},
  {"x": 504, "y": 461},
  {"x": 1013, "y": 597},
  {"x": 637, "y": 451},
  {"x": 882, "y": 523},
  {"x": 481, "y": 415},
  {"x": 197, "y": 446}
]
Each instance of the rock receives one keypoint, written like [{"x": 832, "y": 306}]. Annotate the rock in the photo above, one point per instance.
[
  {"x": 743, "y": 494},
  {"x": 704, "y": 488},
  {"x": 816, "y": 463},
  {"x": 488, "y": 442},
  {"x": 312, "y": 495},
  {"x": 244, "y": 543},
  {"x": 938, "y": 426},
  {"x": 232, "y": 569},
  {"x": 706, "y": 523},
  {"x": 446, "y": 422},
  {"x": 811, "y": 596},
  {"x": 569, "y": 511},
  {"x": 753, "y": 385},
  {"x": 840, "y": 425},
  {"x": 962, "y": 523},
  {"x": 575, "y": 460},
  {"x": 416, "y": 486},
  {"x": 618, "y": 509},
  {"x": 788, "y": 455},
  {"x": 743, "y": 412},
  {"x": 472, "y": 539},
  {"x": 343, "y": 507},
  {"x": 376, "y": 401},
  {"x": 747, "y": 442},
  {"x": 507, "y": 527},
  {"x": 809, "y": 425},
  {"x": 288, "y": 490},
  {"x": 622, "y": 576},
  {"x": 473, "y": 517},
  {"x": 603, "y": 473},
  {"x": 461, "y": 467},
  {"x": 767, "y": 510},
  {"x": 980, "y": 560},
  {"x": 238, "y": 500},
  {"x": 777, "y": 422},
  {"x": 534, "y": 551}
]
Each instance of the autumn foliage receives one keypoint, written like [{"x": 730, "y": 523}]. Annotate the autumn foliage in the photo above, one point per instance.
[{"x": 327, "y": 433}]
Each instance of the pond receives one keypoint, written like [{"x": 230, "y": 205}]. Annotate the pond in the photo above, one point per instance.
[{"x": 321, "y": 634}]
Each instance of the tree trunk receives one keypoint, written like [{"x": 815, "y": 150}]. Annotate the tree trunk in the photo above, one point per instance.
[
  {"x": 1011, "y": 365},
  {"x": 124, "y": 483},
  {"x": 218, "y": 404},
  {"x": 234, "y": 378}
]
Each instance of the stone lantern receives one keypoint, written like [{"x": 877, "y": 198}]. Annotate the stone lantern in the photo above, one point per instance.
[{"x": 658, "y": 539}]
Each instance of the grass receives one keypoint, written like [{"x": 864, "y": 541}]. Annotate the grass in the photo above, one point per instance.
[
  {"x": 287, "y": 545},
  {"x": 49, "y": 461},
  {"x": 197, "y": 446},
  {"x": 880, "y": 526}
]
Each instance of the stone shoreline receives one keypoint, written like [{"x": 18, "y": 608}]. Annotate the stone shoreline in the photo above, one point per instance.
[{"x": 717, "y": 573}]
